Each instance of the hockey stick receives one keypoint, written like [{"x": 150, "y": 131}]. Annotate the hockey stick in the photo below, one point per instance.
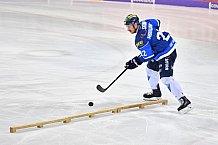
[{"x": 99, "y": 87}]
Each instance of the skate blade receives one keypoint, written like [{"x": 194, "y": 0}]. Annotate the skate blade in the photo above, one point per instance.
[
  {"x": 186, "y": 109},
  {"x": 152, "y": 99}
]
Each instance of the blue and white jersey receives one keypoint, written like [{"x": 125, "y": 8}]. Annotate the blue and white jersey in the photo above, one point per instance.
[
  {"x": 154, "y": 22},
  {"x": 152, "y": 43}
]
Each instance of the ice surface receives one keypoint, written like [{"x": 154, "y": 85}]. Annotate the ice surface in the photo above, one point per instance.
[{"x": 53, "y": 54}]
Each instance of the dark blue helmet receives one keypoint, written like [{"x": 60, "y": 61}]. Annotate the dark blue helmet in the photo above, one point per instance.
[{"x": 131, "y": 19}]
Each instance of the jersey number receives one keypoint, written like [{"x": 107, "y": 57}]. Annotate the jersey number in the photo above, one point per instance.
[
  {"x": 160, "y": 36},
  {"x": 144, "y": 53}
]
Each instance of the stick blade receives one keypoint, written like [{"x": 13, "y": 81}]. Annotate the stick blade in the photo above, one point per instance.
[{"x": 100, "y": 88}]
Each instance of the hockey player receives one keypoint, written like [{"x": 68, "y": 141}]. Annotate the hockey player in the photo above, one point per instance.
[{"x": 159, "y": 50}]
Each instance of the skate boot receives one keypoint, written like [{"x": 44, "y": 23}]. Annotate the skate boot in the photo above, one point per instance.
[
  {"x": 154, "y": 95},
  {"x": 185, "y": 105}
]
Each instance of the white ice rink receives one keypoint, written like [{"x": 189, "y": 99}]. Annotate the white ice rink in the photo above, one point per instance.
[{"x": 53, "y": 53}]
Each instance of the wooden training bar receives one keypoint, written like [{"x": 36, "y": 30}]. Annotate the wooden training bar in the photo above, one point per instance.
[{"x": 90, "y": 114}]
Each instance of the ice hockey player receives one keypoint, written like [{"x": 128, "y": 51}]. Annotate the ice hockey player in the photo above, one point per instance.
[{"x": 159, "y": 50}]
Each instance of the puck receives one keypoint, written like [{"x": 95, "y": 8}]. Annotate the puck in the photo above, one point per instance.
[{"x": 91, "y": 104}]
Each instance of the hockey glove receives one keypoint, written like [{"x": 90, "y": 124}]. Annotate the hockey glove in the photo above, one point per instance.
[{"x": 133, "y": 63}]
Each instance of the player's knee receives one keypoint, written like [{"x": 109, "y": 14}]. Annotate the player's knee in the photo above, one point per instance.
[
  {"x": 148, "y": 71},
  {"x": 167, "y": 80},
  {"x": 151, "y": 72}
]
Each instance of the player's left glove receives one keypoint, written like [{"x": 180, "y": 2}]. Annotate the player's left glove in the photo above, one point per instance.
[{"x": 133, "y": 63}]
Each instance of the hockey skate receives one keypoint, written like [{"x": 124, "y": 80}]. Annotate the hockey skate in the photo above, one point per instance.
[
  {"x": 185, "y": 106},
  {"x": 154, "y": 95}
]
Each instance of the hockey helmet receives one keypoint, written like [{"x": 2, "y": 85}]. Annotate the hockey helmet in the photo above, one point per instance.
[{"x": 131, "y": 19}]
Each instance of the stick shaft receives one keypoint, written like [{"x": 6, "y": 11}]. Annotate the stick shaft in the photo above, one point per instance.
[{"x": 116, "y": 78}]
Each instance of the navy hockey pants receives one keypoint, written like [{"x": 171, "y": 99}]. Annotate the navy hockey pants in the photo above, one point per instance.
[{"x": 164, "y": 66}]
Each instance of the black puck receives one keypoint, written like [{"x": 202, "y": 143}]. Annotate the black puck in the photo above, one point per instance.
[{"x": 91, "y": 103}]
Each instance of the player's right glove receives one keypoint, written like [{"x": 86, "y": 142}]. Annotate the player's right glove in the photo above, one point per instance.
[{"x": 133, "y": 63}]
